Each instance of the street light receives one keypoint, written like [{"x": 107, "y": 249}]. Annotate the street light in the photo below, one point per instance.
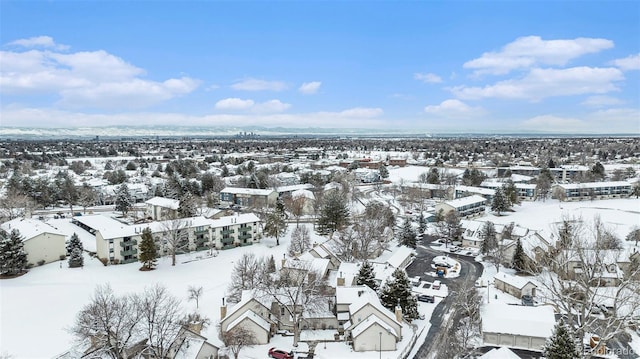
[{"x": 380, "y": 345}]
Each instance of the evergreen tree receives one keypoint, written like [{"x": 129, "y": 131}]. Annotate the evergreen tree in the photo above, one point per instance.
[
  {"x": 499, "y": 203},
  {"x": 488, "y": 235},
  {"x": 598, "y": 171},
  {"x": 366, "y": 276},
  {"x": 543, "y": 183},
  {"x": 422, "y": 223},
  {"x": 276, "y": 222},
  {"x": 334, "y": 213},
  {"x": 148, "y": 250},
  {"x": 384, "y": 172},
  {"x": 510, "y": 193},
  {"x": 124, "y": 202},
  {"x": 13, "y": 259},
  {"x": 74, "y": 242},
  {"x": 271, "y": 265},
  {"x": 434, "y": 176},
  {"x": 408, "y": 234},
  {"x": 187, "y": 207},
  {"x": 397, "y": 290},
  {"x": 562, "y": 344},
  {"x": 75, "y": 258},
  {"x": 519, "y": 259}
]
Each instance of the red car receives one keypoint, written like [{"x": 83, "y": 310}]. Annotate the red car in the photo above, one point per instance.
[{"x": 280, "y": 354}]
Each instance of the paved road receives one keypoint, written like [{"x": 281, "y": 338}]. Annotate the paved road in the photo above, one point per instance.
[{"x": 443, "y": 314}]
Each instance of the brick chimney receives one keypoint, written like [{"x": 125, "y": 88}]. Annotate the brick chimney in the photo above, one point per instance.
[
  {"x": 398, "y": 313},
  {"x": 223, "y": 310}
]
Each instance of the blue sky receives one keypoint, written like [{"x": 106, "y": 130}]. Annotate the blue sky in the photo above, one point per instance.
[{"x": 426, "y": 66}]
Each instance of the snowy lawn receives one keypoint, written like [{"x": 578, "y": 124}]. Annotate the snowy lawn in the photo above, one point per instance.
[{"x": 41, "y": 305}]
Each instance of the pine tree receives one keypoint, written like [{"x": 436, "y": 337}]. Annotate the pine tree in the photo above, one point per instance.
[
  {"x": 519, "y": 259},
  {"x": 75, "y": 258},
  {"x": 366, "y": 276},
  {"x": 123, "y": 199},
  {"x": 408, "y": 234},
  {"x": 13, "y": 259},
  {"x": 74, "y": 242},
  {"x": 422, "y": 223},
  {"x": 384, "y": 172},
  {"x": 397, "y": 290},
  {"x": 334, "y": 213},
  {"x": 510, "y": 193},
  {"x": 276, "y": 222},
  {"x": 488, "y": 235},
  {"x": 148, "y": 250},
  {"x": 271, "y": 265},
  {"x": 499, "y": 203},
  {"x": 561, "y": 345}
]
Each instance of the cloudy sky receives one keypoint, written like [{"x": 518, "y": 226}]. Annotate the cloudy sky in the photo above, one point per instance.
[{"x": 431, "y": 66}]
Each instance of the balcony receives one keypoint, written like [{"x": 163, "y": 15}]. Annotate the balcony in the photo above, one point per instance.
[
  {"x": 129, "y": 252},
  {"x": 226, "y": 241},
  {"x": 227, "y": 232},
  {"x": 245, "y": 229},
  {"x": 128, "y": 242},
  {"x": 243, "y": 236}
]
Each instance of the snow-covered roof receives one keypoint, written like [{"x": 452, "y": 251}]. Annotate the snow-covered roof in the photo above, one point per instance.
[
  {"x": 518, "y": 319},
  {"x": 251, "y": 315},
  {"x": 295, "y": 187},
  {"x": 235, "y": 219},
  {"x": 499, "y": 353},
  {"x": 517, "y": 282},
  {"x": 371, "y": 320},
  {"x": 595, "y": 185},
  {"x": 302, "y": 193},
  {"x": 306, "y": 260},
  {"x": 348, "y": 295},
  {"x": 190, "y": 348},
  {"x": 248, "y": 191},
  {"x": 29, "y": 228},
  {"x": 400, "y": 256},
  {"x": 465, "y": 201},
  {"x": 164, "y": 202},
  {"x": 479, "y": 190}
]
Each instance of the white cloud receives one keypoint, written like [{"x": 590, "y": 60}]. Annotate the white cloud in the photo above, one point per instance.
[
  {"x": 453, "y": 107},
  {"x": 362, "y": 112},
  {"x": 39, "y": 41},
  {"x": 542, "y": 83},
  {"x": 350, "y": 118},
  {"x": 550, "y": 123},
  {"x": 530, "y": 51},
  {"x": 601, "y": 101},
  {"x": 94, "y": 79},
  {"x": 427, "y": 78},
  {"x": 271, "y": 106},
  {"x": 252, "y": 84},
  {"x": 234, "y": 103},
  {"x": 310, "y": 88},
  {"x": 631, "y": 62}
]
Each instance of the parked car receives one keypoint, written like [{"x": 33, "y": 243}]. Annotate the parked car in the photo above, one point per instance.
[
  {"x": 527, "y": 300},
  {"x": 426, "y": 298},
  {"x": 436, "y": 284},
  {"x": 280, "y": 354}
]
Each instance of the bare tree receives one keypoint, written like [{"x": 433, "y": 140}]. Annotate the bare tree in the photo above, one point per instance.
[
  {"x": 87, "y": 197},
  {"x": 296, "y": 207},
  {"x": 14, "y": 204},
  {"x": 237, "y": 338},
  {"x": 300, "y": 241},
  {"x": 298, "y": 290},
  {"x": 111, "y": 323},
  {"x": 575, "y": 281},
  {"x": 246, "y": 275},
  {"x": 175, "y": 238},
  {"x": 194, "y": 294},
  {"x": 160, "y": 320},
  {"x": 450, "y": 228}
]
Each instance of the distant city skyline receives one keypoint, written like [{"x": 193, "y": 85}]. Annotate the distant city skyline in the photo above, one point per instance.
[{"x": 434, "y": 67}]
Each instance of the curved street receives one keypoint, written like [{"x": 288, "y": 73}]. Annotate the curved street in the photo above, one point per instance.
[{"x": 443, "y": 313}]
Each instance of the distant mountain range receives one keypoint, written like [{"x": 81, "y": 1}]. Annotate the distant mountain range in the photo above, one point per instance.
[{"x": 120, "y": 132}]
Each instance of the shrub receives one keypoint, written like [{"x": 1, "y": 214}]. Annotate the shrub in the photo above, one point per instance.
[
  {"x": 63, "y": 257},
  {"x": 104, "y": 261},
  {"x": 41, "y": 262}
]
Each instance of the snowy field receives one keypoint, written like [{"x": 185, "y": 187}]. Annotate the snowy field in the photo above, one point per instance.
[{"x": 38, "y": 308}]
